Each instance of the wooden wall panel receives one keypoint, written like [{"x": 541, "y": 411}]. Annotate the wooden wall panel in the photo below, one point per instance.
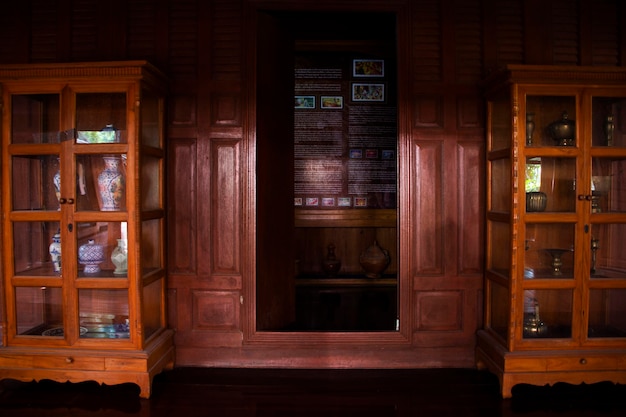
[
  {"x": 426, "y": 60},
  {"x": 428, "y": 240},
  {"x": 202, "y": 47},
  {"x": 225, "y": 211},
  {"x": 226, "y": 40},
  {"x": 470, "y": 182},
  {"x": 182, "y": 199},
  {"x": 566, "y": 31},
  {"x": 439, "y": 311},
  {"x": 468, "y": 67},
  {"x": 215, "y": 310},
  {"x": 428, "y": 111}
]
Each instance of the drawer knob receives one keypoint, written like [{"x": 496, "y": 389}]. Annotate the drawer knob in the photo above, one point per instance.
[
  {"x": 69, "y": 359},
  {"x": 583, "y": 361}
]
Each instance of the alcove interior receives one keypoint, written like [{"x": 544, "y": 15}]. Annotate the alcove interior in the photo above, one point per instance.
[{"x": 289, "y": 254}]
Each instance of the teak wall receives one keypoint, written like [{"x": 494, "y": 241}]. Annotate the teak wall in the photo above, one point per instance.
[{"x": 206, "y": 47}]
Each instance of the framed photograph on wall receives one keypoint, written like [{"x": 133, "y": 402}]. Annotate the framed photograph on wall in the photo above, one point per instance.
[
  {"x": 368, "y": 92},
  {"x": 368, "y": 68},
  {"x": 304, "y": 102},
  {"x": 331, "y": 102}
]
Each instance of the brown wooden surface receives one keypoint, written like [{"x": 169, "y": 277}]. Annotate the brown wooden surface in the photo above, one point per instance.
[{"x": 205, "y": 47}]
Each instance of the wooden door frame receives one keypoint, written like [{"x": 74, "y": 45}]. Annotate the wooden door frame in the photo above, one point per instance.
[{"x": 402, "y": 337}]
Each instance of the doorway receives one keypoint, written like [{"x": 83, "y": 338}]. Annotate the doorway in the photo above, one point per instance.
[{"x": 326, "y": 172}]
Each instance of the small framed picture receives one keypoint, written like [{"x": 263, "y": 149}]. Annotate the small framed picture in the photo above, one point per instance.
[
  {"x": 344, "y": 201},
  {"x": 297, "y": 201},
  {"x": 371, "y": 153},
  {"x": 368, "y": 68},
  {"x": 368, "y": 92},
  {"x": 304, "y": 102},
  {"x": 331, "y": 102},
  {"x": 312, "y": 201},
  {"x": 356, "y": 153},
  {"x": 360, "y": 201},
  {"x": 388, "y": 154},
  {"x": 328, "y": 202}
]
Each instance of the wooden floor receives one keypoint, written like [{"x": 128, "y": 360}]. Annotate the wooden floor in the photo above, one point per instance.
[{"x": 191, "y": 392}]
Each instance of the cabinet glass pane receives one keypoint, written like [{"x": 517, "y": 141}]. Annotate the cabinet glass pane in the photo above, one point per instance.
[
  {"x": 501, "y": 120},
  {"x": 39, "y": 311},
  {"x": 498, "y": 308},
  {"x": 549, "y": 250},
  {"x": 608, "y": 252},
  {"x": 35, "y": 182},
  {"x": 550, "y": 184},
  {"x": 101, "y": 118},
  {"x": 36, "y": 249},
  {"x": 607, "y": 313},
  {"x": 609, "y": 116},
  {"x": 550, "y": 121},
  {"x": 101, "y": 182},
  {"x": 35, "y": 118},
  {"x": 150, "y": 120},
  {"x": 500, "y": 185},
  {"x": 547, "y": 313},
  {"x": 608, "y": 185},
  {"x": 499, "y": 248},
  {"x": 152, "y": 307},
  {"x": 102, "y": 249},
  {"x": 151, "y": 194},
  {"x": 151, "y": 250},
  {"x": 104, "y": 313}
]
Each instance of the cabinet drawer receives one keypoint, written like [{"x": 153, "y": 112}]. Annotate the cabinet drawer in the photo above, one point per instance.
[
  {"x": 581, "y": 363},
  {"x": 68, "y": 361}
]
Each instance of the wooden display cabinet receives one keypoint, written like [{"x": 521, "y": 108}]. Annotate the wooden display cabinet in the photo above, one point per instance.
[
  {"x": 555, "y": 288},
  {"x": 83, "y": 225}
]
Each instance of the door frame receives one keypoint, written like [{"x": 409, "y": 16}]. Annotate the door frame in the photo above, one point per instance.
[{"x": 403, "y": 336}]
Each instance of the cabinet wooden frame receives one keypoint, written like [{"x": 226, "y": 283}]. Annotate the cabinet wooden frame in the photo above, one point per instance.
[
  {"x": 577, "y": 300},
  {"x": 124, "y": 311}
]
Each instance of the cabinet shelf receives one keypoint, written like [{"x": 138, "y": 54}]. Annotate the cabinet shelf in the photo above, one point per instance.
[{"x": 345, "y": 218}]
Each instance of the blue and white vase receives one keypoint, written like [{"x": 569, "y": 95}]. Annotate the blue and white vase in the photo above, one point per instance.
[
  {"x": 55, "y": 252},
  {"x": 91, "y": 255},
  {"x": 111, "y": 184}
]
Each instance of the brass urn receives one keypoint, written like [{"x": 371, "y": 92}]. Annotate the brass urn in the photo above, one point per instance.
[{"x": 374, "y": 260}]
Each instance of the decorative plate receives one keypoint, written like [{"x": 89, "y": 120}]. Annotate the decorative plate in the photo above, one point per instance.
[{"x": 58, "y": 331}]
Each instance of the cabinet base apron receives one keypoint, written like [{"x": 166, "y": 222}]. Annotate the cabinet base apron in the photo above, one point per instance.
[
  {"x": 78, "y": 365},
  {"x": 548, "y": 367}
]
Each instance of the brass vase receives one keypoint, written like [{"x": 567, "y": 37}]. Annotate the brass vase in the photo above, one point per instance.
[{"x": 374, "y": 260}]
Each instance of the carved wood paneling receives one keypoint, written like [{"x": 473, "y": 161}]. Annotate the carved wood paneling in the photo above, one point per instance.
[
  {"x": 428, "y": 111},
  {"x": 605, "y": 32},
  {"x": 509, "y": 31},
  {"x": 215, "y": 310},
  {"x": 84, "y": 38},
  {"x": 470, "y": 206},
  {"x": 566, "y": 31},
  {"x": 469, "y": 112},
  {"x": 467, "y": 41},
  {"x": 45, "y": 35},
  {"x": 182, "y": 198},
  {"x": 226, "y": 37},
  {"x": 439, "y": 310},
  {"x": 426, "y": 59},
  {"x": 226, "y": 109},
  {"x": 183, "y": 111},
  {"x": 142, "y": 29},
  {"x": 225, "y": 211},
  {"x": 427, "y": 199},
  {"x": 183, "y": 39}
]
